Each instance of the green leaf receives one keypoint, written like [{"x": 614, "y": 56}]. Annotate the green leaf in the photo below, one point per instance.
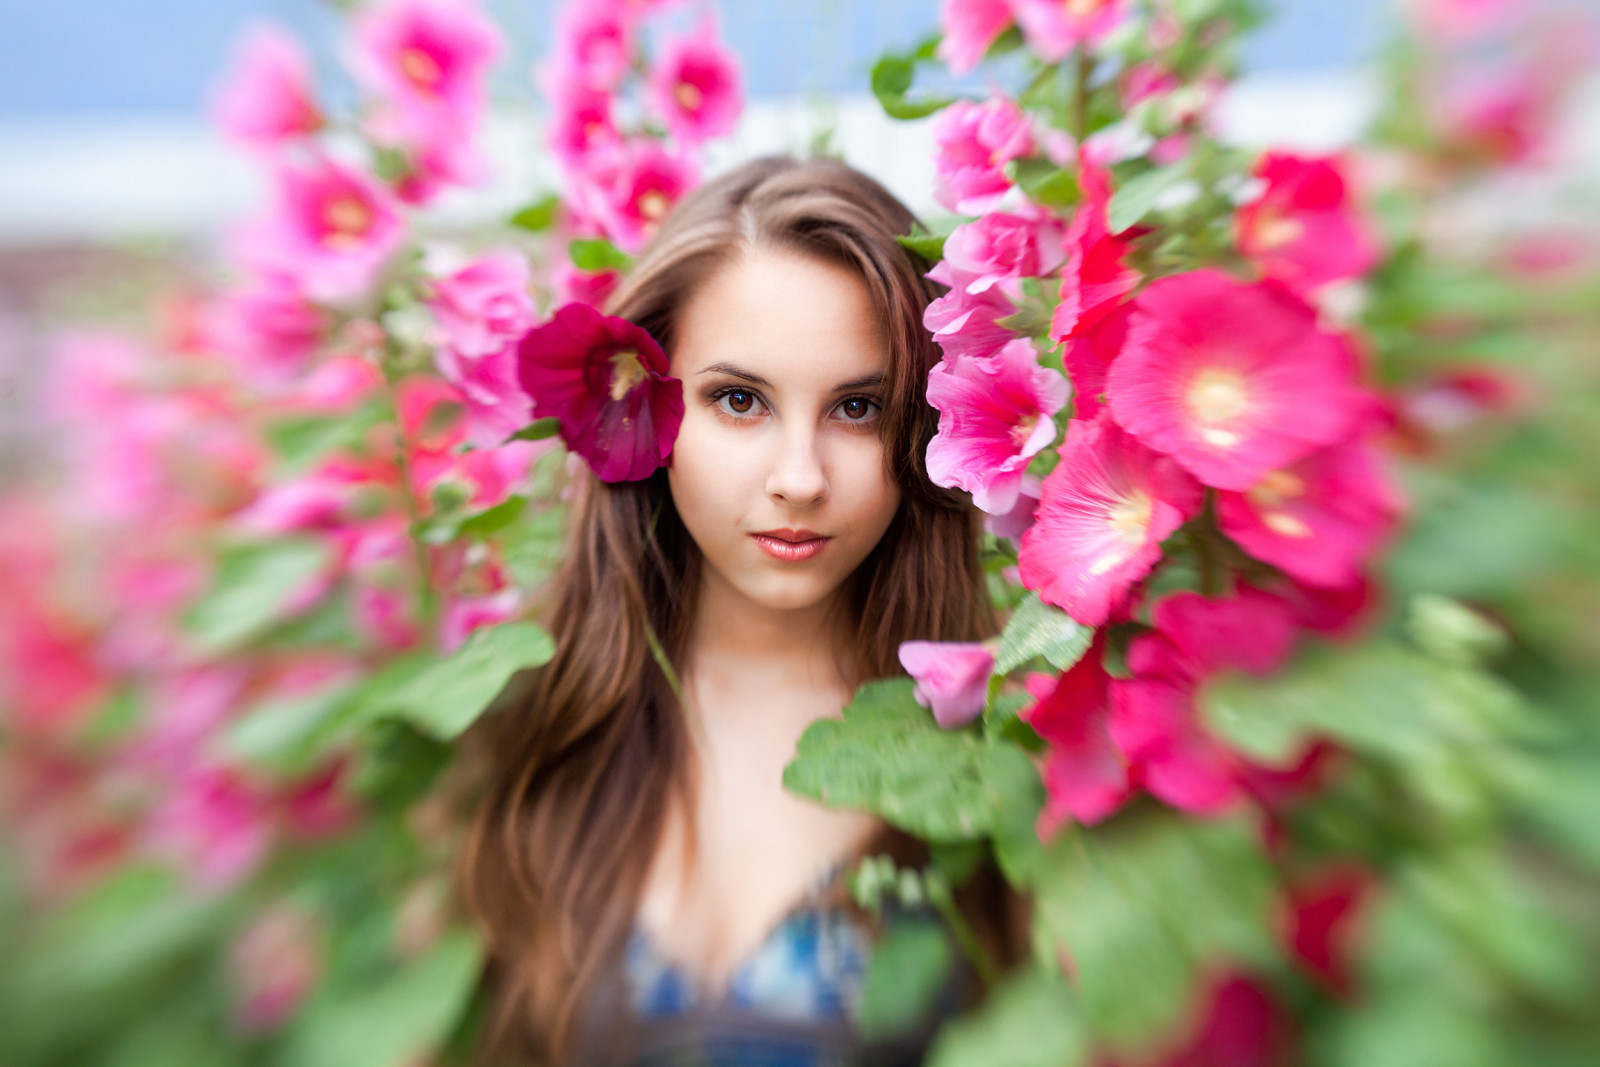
[
  {"x": 538, "y": 430},
  {"x": 397, "y": 1022},
  {"x": 251, "y": 588},
  {"x": 1044, "y": 182},
  {"x": 1134, "y": 200},
  {"x": 909, "y": 966},
  {"x": 595, "y": 254},
  {"x": 491, "y": 521},
  {"x": 888, "y": 756},
  {"x": 930, "y": 246},
  {"x": 279, "y": 733},
  {"x": 398, "y": 764},
  {"x": 1037, "y": 629},
  {"x": 444, "y": 698},
  {"x": 1029, "y": 1020},
  {"x": 539, "y": 215},
  {"x": 892, "y": 76}
]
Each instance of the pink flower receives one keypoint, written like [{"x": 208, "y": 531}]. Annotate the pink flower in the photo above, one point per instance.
[
  {"x": 627, "y": 189},
  {"x": 463, "y": 615},
  {"x": 1014, "y": 523},
  {"x": 594, "y": 45},
  {"x": 426, "y": 60},
  {"x": 1103, "y": 513},
  {"x": 1001, "y": 248},
  {"x": 972, "y": 145},
  {"x": 1055, "y": 27},
  {"x": 1145, "y": 80},
  {"x": 593, "y": 288},
  {"x": 581, "y": 121},
  {"x": 269, "y": 329},
  {"x": 1461, "y": 20},
  {"x": 1095, "y": 279},
  {"x": 1088, "y": 355},
  {"x": 970, "y": 27},
  {"x": 606, "y": 380},
  {"x": 497, "y": 406},
  {"x": 1085, "y": 776},
  {"x": 484, "y": 305},
  {"x": 273, "y": 966},
  {"x": 1154, "y": 720},
  {"x": 1232, "y": 380},
  {"x": 952, "y": 678},
  {"x": 267, "y": 97},
  {"x": 1318, "y": 520},
  {"x": 334, "y": 229},
  {"x": 1321, "y": 921},
  {"x": 964, "y": 323},
  {"x": 1303, "y": 229},
  {"x": 694, "y": 86},
  {"x": 217, "y": 825},
  {"x": 995, "y": 414}
]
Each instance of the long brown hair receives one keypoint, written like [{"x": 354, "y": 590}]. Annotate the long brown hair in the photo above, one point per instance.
[{"x": 585, "y": 760}]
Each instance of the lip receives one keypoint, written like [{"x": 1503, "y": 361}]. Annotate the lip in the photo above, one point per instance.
[{"x": 789, "y": 545}]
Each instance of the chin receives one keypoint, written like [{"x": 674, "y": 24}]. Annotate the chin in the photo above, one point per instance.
[{"x": 789, "y": 594}]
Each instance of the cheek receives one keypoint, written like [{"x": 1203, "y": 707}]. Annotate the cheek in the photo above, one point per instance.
[
  {"x": 863, "y": 487},
  {"x": 706, "y": 477}
]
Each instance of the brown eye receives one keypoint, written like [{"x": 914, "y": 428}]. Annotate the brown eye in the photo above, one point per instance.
[
  {"x": 857, "y": 408},
  {"x": 740, "y": 401}
]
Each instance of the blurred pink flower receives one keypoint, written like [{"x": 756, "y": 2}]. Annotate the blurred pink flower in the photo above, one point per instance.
[
  {"x": 972, "y": 145},
  {"x": 970, "y": 27},
  {"x": 1146, "y": 79},
  {"x": 581, "y": 121},
  {"x": 266, "y": 98},
  {"x": 1462, "y": 20},
  {"x": 967, "y": 324},
  {"x": 695, "y": 86},
  {"x": 334, "y": 229},
  {"x": 594, "y": 44},
  {"x": 1319, "y": 520},
  {"x": 1085, "y": 775},
  {"x": 1001, "y": 248},
  {"x": 1232, "y": 380},
  {"x": 1055, "y": 27},
  {"x": 483, "y": 305},
  {"x": 268, "y": 330},
  {"x": 627, "y": 189},
  {"x": 336, "y": 385},
  {"x": 273, "y": 965},
  {"x": 1095, "y": 278},
  {"x": 606, "y": 380},
  {"x": 1303, "y": 229},
  {"x": 463, "y": 615},
  {"x": 215, "y": 824},
  {"x": 952, "y": 678},
  {"x": 1088, "y": 354},
  {"x": 995, "y": 414},
  {"x": 1103, "y": 513},
  {"x": 570, "y": 284},
  {"x": 1014, "y": 523}
]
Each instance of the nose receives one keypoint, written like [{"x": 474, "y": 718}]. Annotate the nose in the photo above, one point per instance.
[{"x": 797, "y": 476}]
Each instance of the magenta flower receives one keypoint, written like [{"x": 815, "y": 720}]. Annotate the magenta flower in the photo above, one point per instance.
[
  {"x": 594, "y": 45},
  {"x": 995, "y": 414},
  {"x": 334, "y": 229},
  {"x": 1232, "y": 380},
  {"x": 952, "y": 678},
  {"x": 1319, "y": 520},
  {"x": 972, "y": 145},
  {"x": 1103, "y": 513},
  {"x": 1085, "y": 775},
  {"x": 1055, "y": 27},
  {"x": 268, "y": 329},
  {"x": 594, "y": 288},
  {"x": 1095, "y": 278},
  {"x": 465, "y": 614},
  {"x": 1303, "y": 229},
  {"x": 426, "y": 60},
  {"x": 1001, "y": 248},
  {"x": 496, "y": 404},
  {"x": 970, "y": 27},
  {"x": 1088, "y": 355},
  {"x": 581, "y": 121},
  {"x": 965, "y": 323},
  {"x": 694, "y": 86},
  {"x": 266, "y": 98},
  {"x": 606, "y": 380},
  {"x": 629, "y": 188}
]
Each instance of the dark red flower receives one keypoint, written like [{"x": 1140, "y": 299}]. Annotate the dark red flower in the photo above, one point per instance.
[{"x": 606, "y": 380}]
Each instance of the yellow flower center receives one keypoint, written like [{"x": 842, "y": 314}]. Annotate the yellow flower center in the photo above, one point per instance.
[
  {"x": 1024, "y": 430},
  {"x": 1217, "y": 397},
  {"x": 346, "y": 219},
  {"x": 653, "y": 204},
  {"x": 1082, "y": 9},
  {"x": 1270, "y": 494},
  {"x": 1273, "y": 230},
  {"x": 421, "y": 69},
  {"x": 1129, "y": 519},
  {"x": 626, "y": 372},
  {"x": 689, "y": 97}
]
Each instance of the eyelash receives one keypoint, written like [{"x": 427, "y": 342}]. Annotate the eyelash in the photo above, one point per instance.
[{"x": 717, "y": 397}]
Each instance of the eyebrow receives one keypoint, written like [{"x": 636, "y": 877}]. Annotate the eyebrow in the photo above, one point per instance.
[{"x": 865, "y": 382}]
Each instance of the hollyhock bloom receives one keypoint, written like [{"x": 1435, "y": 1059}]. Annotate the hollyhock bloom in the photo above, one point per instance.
[
  {"x": 1103, "y": 513},
  {"x": 484, "y": 305},
  {"x": 952, "y": 678},
  {"x": 1318, "y": 520},
  {"x": 334, "y": 228},
  {"x": 629, "y": 188},
  {"x": 496, "y": 404},
  {"x": 694, "y": 86},
  {"x": 1230, "y": 379},
  {"x": 1088, "y": 355},
  {"x": 594, "y": 45},
  {"x": 1014, "y": 523},
  {"x": 1145, "y": 80},
  {"x": 1055, "y": 27},
  {"x": 969, "y": 28},
  {"x": 267, "y": 97},
  {"x": 1320, "y": 921},
  {"x": 1496, "y": 116},
  {"x": 269, "y": 329},
  {"x": 1004, "y": 247},
  {"x": 581, "y": 121},
  {"x": 972, "y": 145},
  {"x": 594, "y": 288},
  {"x": 606, "y": 380},
  {"x": 1241, "y": 1026},
  {"x": 426, "y": 60},
  {"x": 995, "y": 414},
  {"x": 463, "y": 615},
  {"x": 964, "y": 323},
  {"x": 1095, "y": 279},
  {"x": 336, "y": 385},
  {"x": 213, "y": 822},
  {"x": 1085, "y": 776},
  {"x": 1303, "y": 229}
]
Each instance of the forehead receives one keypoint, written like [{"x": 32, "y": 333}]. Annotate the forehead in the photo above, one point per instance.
[{"x": 794, "y": 319}]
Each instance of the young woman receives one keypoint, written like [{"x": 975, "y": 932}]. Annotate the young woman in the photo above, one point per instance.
[{"x": 650, "y": 891}]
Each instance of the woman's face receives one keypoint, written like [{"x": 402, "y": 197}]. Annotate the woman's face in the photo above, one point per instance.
[{"x": 778, "y": 469}]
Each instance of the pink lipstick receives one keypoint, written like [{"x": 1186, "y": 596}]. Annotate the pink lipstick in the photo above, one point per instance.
[{"x": 790, "y": 546}]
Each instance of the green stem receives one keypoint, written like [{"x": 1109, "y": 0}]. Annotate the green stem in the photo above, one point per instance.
[
  {"x": 1080, "y": 96},
  {"x": 408, "y": 490},
  {"x": 943, "y": 901},
  {"x": 1205, "y": 550}
]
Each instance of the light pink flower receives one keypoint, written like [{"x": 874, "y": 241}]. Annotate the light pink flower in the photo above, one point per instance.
[
  {"x": 1055, "y": 27},
  {"x": 1304, "y": 229},
  {"x": 569, "y": 284},
  {"x": 268, "y": 329},
  {"x": 273, "y": 965},
  {"x": 464, "y": 615},
  {"x": 1232, "y": 380},
  {"x": 1147, "y": 79},
  {"x": 1095, "y": 278},
  {"x": 497, "y": 406},
  {"x": 626, "y": 190},
  {"x": 1103, "y": 513},
  {"x": 1319, "y": 520},
  {"x": 581, "y": 121},
  {"x": 972, "y": 145},
  {"x": 594, "y": 44},
  {"x": 1014, "y": 523},
  {"x": 336, "y": 385},
  {"x": 426, "y": 60},
  {"x": 1085, "y": 775},
  {"x": 215, "y": 824},
  {"x": 267, "y": 99},
  {"x": 963, "y": 323},
  {"x": 970, "y": 27},
  {"x": 1461, "y": 20},
  {"x": 485, "y": 304},
  {"x": 952, "y": 678},
  {"x": 995, "y": 414},
  {"x": 334, "y": 228},
  {"x": 1001, "y": 248},
  {"x": 695, "y": 86}
]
